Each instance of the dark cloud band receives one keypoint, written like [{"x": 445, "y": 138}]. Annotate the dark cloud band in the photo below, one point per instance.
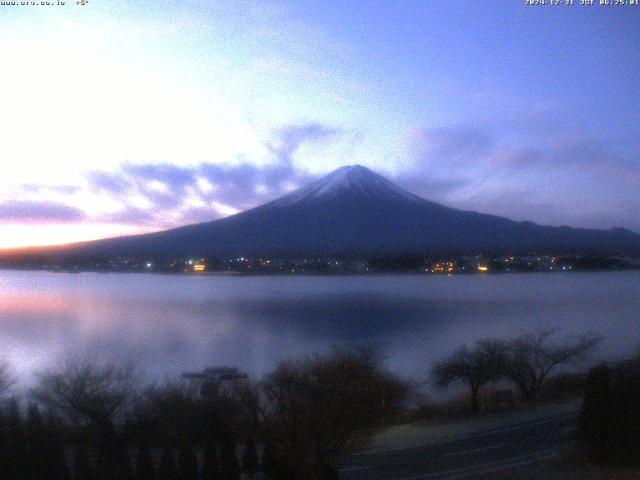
[{"x": 39, "y": 212}]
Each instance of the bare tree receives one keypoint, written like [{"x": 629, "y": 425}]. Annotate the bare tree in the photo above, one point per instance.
[
  {"x": 6, "y": 379},
  {"x": 96, "y": 396},
  {"x": 171, "y": 411},
  {"x": 532, "y": 357},
  {"x": 86, "y": 392},
  {"x": 316, "y": 411},
  {"x": 477, "y": 366}
]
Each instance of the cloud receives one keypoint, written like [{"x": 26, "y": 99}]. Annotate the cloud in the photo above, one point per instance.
[
  {"x": 197, "y": 215},
  {"x": 432, "y": 189},
  {"x": 39, "y": 212},
  {"x": 110, "y": 182},
  {"x": 445, "y": 160},
  {"x": 573, "y": 179},
  {"x": 245, "y": 185},
  {"x": 290, "y": 138},
  {"x": 61, "y": 189},
  {"x": 175, "y": 177},
  {"x": 178, "y": 195},
  {"x": 230, "y": 188},
  {"x": 460, "y": 143},
  {"x": 164, "y": 195},
  {"x": 130, "y": 215}
]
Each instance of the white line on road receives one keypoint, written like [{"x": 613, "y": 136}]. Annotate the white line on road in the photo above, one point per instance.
[
  {"x": 356, "y": 468},
  {"x": 521, "y": 425},
  {"x": 482, "y": 468},
  {"x": 466, "y": 437},
  {"x": 473, "y": 450},
  {"x": 504, "y": 466}
]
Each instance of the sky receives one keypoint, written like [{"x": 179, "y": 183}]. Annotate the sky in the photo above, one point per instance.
[{"x": 122, "y": 117}]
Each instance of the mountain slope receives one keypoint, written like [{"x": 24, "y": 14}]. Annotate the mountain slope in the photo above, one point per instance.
[{"x": 355, "y": 211}]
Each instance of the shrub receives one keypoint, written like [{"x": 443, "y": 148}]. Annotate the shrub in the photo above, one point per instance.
[{"x": 610, "y": 416}]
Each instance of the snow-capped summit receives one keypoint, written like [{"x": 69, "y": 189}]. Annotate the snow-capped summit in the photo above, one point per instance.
[{"x": 353, "y": 180}]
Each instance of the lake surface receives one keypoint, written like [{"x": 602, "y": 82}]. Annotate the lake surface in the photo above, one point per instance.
[{"x": 172, "y": 323}]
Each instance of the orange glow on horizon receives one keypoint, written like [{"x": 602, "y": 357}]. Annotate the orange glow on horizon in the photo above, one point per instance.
[{"x": 32, "y": 235}]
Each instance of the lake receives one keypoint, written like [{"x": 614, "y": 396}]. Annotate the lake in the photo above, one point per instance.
[{"x": 172, "y": 323}]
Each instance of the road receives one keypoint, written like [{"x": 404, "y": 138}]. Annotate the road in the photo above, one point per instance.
[{"x": 481, "y": 455}]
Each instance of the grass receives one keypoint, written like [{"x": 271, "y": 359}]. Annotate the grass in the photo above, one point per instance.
[{"x": 557, "y": 389}]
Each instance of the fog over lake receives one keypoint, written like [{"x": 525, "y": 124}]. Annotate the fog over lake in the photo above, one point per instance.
[{"x": 172, "y": 323}]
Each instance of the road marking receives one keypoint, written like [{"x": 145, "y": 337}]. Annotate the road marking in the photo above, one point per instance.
[
  {"x": 521, "y": 425},
  {"x": 482, "y": 468},
  {"x": 355, "y": 468},
  {"x": 504, "y": 466},
  {"x": 473, "y": 450},
  {"x": 467, "y": 436}
]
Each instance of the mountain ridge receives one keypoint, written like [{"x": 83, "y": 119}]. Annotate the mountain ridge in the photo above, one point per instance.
[{"x": 354, "y": 211}]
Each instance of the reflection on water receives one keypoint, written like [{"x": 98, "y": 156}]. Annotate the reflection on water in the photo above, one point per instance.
[{"x": 172, "y": 323}]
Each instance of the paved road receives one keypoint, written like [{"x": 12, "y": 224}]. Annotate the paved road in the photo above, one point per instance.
[{"x": 480, "y": 455}]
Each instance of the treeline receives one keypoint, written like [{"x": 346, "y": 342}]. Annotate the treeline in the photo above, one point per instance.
[
  {"x": 31, "y": 448},
  {"x": 610, "y": 416},
  {"x": 300, "y": 422},
  {"x": 86, "y": 420},
  {"x": 34, "y": 449},
  {"x": 526, "y": 362}
]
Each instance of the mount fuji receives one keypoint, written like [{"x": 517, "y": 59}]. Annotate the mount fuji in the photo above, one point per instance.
[{"x": 354, "y": 211}]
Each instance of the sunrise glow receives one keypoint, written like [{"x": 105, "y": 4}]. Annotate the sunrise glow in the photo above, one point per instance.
[{"x": 123, "y": 118}]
